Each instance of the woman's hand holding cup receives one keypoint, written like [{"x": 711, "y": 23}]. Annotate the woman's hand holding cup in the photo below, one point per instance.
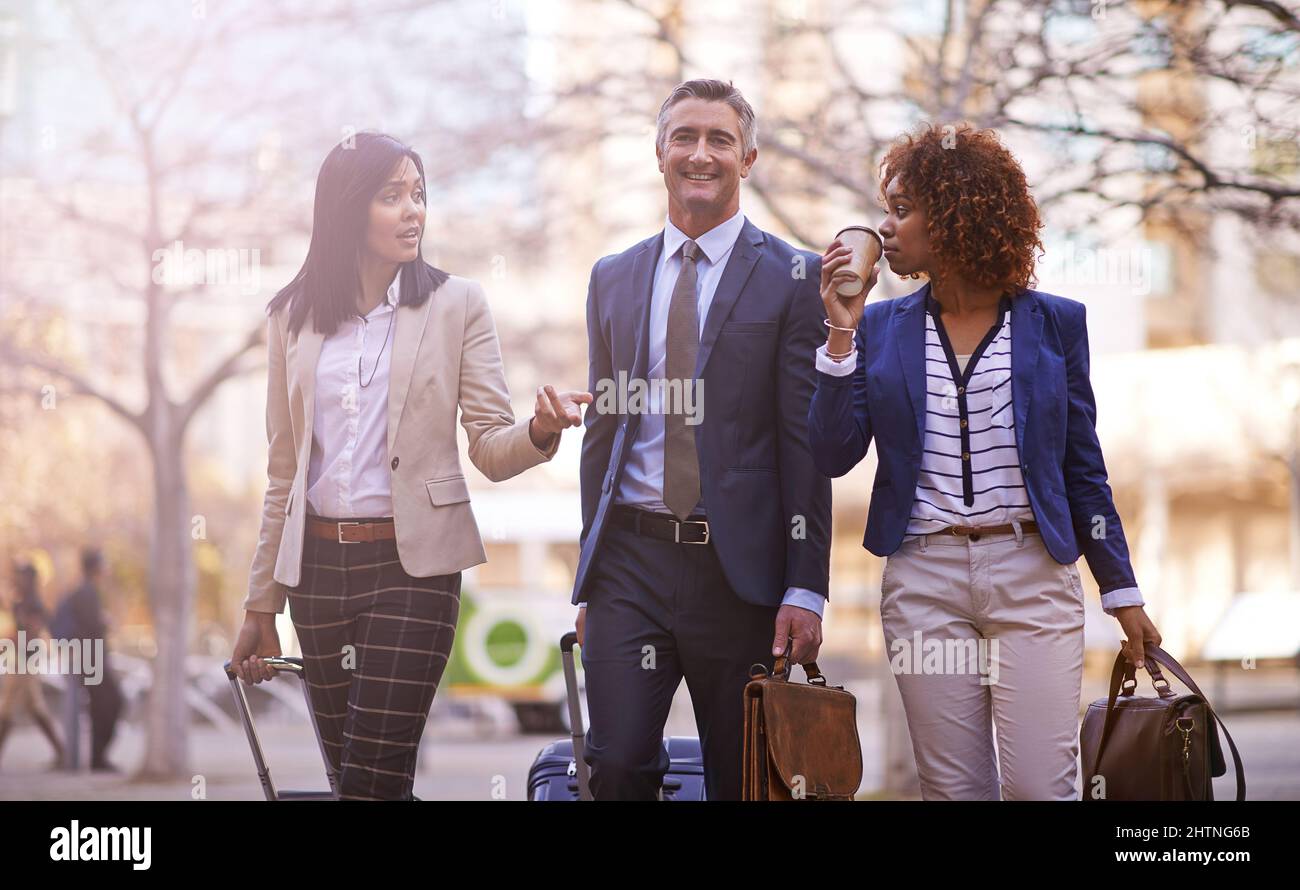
[{"x": 843, "y": 311}]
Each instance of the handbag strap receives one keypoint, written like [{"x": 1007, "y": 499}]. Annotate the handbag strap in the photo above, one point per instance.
[
  {"x": 1158, "y": 681},
  {"x": 1177, "y": 670},
  {"x": 1117, "y": 675},
  {"x": 1123, "y": 671}
]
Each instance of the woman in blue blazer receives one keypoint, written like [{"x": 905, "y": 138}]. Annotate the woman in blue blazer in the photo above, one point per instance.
[{"x": 990, "y": 481}]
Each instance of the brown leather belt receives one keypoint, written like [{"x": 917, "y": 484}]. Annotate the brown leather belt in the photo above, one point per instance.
[
  {"x": 1028, "y": 527},
  {"x": 349, "y": 532}
]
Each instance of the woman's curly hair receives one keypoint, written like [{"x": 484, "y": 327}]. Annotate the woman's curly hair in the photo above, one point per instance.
[{"x": 982, "y": 221}]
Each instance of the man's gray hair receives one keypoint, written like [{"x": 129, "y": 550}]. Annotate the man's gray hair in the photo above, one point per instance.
[{"x": 713, "y": 91}]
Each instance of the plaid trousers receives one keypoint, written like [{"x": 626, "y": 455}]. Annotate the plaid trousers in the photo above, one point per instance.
[{"x": 375, "y": 643}]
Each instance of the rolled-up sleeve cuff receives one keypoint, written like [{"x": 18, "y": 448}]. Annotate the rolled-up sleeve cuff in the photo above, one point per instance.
[
  {"x": 804, "y": 599},
  {"x": 1124, "y": 596},
  {"x": 842, "y": 368}
]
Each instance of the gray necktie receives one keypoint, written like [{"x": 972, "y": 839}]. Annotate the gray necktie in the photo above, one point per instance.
[{"x": 681, "y": 465}]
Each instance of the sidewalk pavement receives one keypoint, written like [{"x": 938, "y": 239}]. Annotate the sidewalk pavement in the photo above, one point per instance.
[{"x": 468, "y": 760}]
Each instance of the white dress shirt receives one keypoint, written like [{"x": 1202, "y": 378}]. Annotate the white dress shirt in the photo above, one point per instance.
[
  {"x": 643, "y": 476},
  {"x": 642, "y": 484},
  {"x": 348, "y": 476},
  {"x": 997, "y": 485}
]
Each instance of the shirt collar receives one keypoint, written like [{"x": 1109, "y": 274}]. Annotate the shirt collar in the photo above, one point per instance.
[
  {"x": 395, "y": 289},
  {"x": 713, "y": 243},
  {"x": 390, "y": 298}
]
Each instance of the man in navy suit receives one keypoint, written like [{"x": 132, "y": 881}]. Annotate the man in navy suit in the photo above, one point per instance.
[{"x": 705, "y": 523}]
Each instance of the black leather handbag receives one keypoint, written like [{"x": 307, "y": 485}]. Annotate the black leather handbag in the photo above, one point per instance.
[{"x": 1163, "y": 748}]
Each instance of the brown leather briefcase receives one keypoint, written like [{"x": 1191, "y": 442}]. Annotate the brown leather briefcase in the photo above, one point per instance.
[
  {"x": 801, "y": 739},
  {"x": 1164, "y": 748}
]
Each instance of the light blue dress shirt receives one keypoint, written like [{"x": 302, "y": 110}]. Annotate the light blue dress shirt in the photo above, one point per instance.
[{"x": 642, "y": 484}]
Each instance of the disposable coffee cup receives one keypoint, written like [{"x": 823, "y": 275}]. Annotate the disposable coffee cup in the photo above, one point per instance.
[{"x": 867, "y": 247}]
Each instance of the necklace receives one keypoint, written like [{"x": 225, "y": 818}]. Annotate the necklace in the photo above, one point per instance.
[{"x": 381, "y": 350}]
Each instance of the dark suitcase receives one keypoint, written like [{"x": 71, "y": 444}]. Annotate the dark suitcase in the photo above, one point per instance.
[
  {"x": 558, "y": 774},
  {"x": 281, "y": 666}
]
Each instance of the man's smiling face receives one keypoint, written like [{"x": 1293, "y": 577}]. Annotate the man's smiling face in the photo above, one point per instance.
[{"x": 702, "y": 158}]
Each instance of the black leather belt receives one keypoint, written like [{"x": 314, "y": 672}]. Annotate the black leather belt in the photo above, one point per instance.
[{"x": 661, "y": 526}]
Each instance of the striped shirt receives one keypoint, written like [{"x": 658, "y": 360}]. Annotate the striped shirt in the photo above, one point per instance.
[
  {"x": 985, "y": 393},
  {"x": 970, "y": 466}
]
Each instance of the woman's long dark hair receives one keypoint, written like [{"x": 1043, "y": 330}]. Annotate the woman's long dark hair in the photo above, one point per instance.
[{"x": 327, "y": 285}]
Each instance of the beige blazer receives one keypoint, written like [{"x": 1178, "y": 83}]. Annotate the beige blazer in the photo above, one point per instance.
[{"x": 445, "y": 355}]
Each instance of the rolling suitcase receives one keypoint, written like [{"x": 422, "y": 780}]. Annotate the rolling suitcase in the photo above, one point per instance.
[
  {"x": 560, "y": 773},
  {"x": 286, "y": 666}
]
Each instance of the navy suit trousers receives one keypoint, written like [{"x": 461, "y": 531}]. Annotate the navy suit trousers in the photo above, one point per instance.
[{"x": 658, "y": 611}]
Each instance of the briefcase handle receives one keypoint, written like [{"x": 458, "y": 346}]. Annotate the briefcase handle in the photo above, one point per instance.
[
  {"x": 781, "y": 668},
  {"x": 1124, "y": 669}
]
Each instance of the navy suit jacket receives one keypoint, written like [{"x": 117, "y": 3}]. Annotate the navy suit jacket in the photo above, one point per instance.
[
  {"x": 769, "y": 509},
  {"x": 1055, "y": 420}
]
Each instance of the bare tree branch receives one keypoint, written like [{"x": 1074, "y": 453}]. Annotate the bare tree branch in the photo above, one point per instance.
[
  {"x": 1210, "y": 179},
  {"x": 1284, "y": 16},
  {"x": 16, "y": 357},
  {"x": 223, "y": 370}
]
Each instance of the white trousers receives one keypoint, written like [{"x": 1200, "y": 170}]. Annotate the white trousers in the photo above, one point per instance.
[{"x": 981, "y": 632}]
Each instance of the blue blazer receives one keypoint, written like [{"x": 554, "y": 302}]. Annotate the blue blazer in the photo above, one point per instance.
[
  {"x": 769, "y": 508},
  {"x": 1055, "y": 421}
]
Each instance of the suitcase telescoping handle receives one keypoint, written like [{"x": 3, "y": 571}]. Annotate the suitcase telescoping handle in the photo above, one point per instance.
[
  {"x": 275, "y": 663},
  {"x": 293, "y": 666},
  {"x": 567, "y": 642}
]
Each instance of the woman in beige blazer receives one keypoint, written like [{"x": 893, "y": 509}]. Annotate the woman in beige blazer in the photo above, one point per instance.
[{"x": 366, "y": 524}]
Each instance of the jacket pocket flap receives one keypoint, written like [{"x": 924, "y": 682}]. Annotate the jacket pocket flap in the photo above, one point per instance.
[{"x": 451, "y": 490}]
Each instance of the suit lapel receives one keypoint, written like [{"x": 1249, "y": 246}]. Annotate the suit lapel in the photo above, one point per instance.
[
  {"x": 306, "y": 355},
  {"x": 909, "y": 339},
  {"x": 643, "y": 279},
  {"x": 408, "y": 332},
  {"x": 744, "y": 256},
  {"x": 1026, "y": 335}
]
